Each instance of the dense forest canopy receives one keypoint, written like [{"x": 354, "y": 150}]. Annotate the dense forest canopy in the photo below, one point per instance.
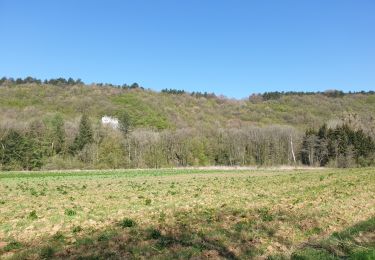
[{"x": 56, "y": 123}]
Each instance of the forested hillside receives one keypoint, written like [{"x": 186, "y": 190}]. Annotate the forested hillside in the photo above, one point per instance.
[{"x": 57, "y": 124}]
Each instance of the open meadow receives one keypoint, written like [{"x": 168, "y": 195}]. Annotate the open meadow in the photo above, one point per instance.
[{"x": 188, "y": 213}]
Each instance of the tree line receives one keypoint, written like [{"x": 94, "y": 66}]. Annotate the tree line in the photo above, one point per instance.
[
  {"x": 328, "y": 93},
  {"x": 71, "y": 82},
  {"x": 273, "y": 95},
  {"x": 31, "y": 80},
  {"x": 60, "y": 82},
  {"x": 50, "y": 144},
  {"x": 193, "y": 94},
  {"x": 341, "y": 146}
]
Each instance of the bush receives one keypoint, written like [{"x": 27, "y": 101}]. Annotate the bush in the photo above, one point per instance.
[
  {"x": 33, "y": 215},
  {"x": 127, "y": 222},
  {"x": 153, "y": 233}
]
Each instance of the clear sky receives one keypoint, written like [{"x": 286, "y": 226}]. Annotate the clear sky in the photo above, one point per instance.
[{"x": 229, "y": 47}]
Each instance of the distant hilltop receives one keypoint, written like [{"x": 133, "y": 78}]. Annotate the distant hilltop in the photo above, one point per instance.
[
  {"x": 28, "y": 99},
  {"x": 265, "y": 96}
]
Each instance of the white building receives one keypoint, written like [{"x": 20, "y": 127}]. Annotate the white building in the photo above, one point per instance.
[{"x": 110, "y": 121}]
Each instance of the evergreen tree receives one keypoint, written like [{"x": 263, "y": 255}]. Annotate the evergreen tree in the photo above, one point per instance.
[
  {"x": 125, "y": 123},
  {"x": 322, "y": 146},
  {"x": 85, "y": 135},
  {"x": 33, "y": 155},
  {"x": 58, "y": 134},
  {"x": 13, "y": 148},
  {"x": 308, "y": 150},
  {"x": 20, "y": 151}
]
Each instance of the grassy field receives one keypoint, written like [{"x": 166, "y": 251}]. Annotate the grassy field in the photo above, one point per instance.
[{"x": 165, "y": 214}]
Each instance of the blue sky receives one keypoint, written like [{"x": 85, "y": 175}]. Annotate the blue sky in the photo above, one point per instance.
[{"x": 228, "y": 47}]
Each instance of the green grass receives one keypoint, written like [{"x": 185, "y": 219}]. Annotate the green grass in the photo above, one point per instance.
[
  {"x": 356, "y": 242},
  {"x": 188, "y": 213}
]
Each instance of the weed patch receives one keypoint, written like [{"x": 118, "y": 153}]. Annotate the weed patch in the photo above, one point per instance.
[{"x": 127, "y": 223}]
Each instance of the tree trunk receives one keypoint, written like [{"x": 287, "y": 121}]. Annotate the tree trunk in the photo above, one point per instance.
[{"x": 291, "y": 146}]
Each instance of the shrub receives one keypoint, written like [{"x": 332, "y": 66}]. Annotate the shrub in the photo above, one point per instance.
[
  {"x": 153, "y": 233},
  {"x": 33, "y": 215},
  {"x": 127, "y": 222}
]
